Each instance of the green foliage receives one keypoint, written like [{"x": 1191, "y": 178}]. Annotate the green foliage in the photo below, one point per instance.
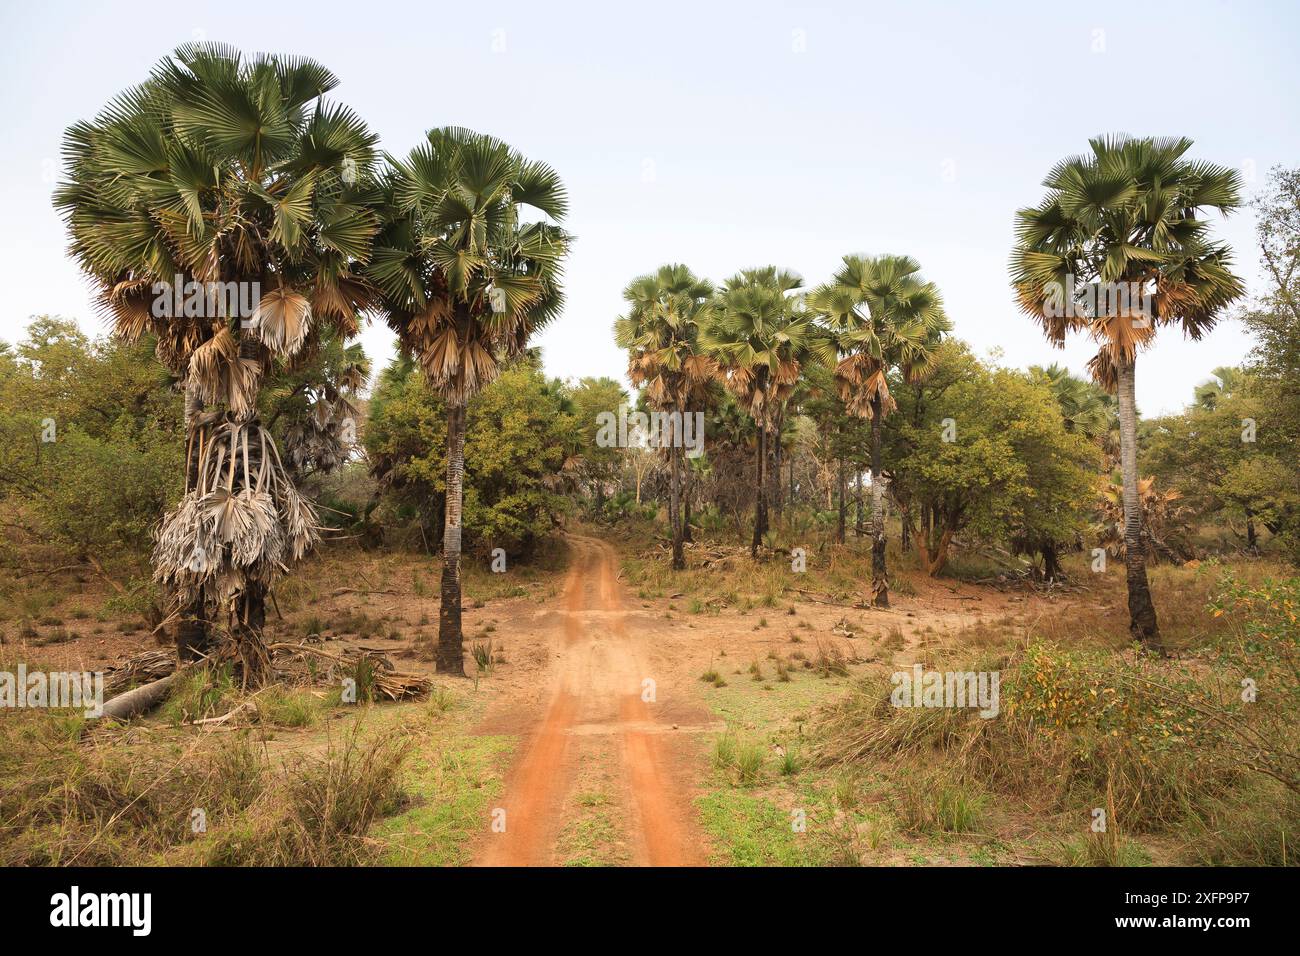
[
  {"x": 1012, "y": 469},
  {"x": 599, "y": 467},
  {"x": 519, "y": 443},
  {"x": 114, "y": 462},
  {"x": 1274, "y": 319},
  {"x": 1223, "y": 468},
  {"x": 1058, "y": 690}
]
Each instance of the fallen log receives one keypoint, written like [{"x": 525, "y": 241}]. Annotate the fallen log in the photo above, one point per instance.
[{"x": 125, "y": 706}]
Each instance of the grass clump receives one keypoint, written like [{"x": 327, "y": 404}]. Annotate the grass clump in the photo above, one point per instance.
[
  {"x": 288, "y": 707},
  {"x": 318, "y": 810},
  {"x": 198, "y": 693}
]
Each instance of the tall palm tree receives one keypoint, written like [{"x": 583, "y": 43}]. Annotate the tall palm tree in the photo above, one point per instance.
[
  {"x": 762, "y": 338},
  {"x": 1118, "y": 248},
  {"x": 661, "y": 335},
  {"x": 465, "y": 282},
  {"x": 219, "y": 169},
  {"x": 884, "y": 317}
]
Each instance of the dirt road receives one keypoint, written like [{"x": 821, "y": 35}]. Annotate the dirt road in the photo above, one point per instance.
[{"x": 604, "y": 703}]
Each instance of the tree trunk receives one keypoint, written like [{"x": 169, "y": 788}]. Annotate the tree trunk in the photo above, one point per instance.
[
  {"x": 792, "y": 482},
  {"x": 450, "y": 657},
  {"x": 1252, "y": 536},
  {"x": 1051, "y": 563},
  {"x": 857, "y": 502},
  {"x": 774, "y": 478},
  {"x": 139, "y": 699},
  {"x": 936, "y": 557},
  {"x": 687, "y": 485},
  {"x": 760, "y": 487},
  {"x": 192, "y": 638},
  {"x": 879, "y": 576},
  {"x": 251, "y": 615},
  {"x": 906, "y": 512},
  {"x": 675, "y": 505},
  {"x": 842, "y": 494},
  {"x": 1142, "y": 612}
]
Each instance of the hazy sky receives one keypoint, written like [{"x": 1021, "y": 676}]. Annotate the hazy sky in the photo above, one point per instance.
[{"x": 719, "y": 135}]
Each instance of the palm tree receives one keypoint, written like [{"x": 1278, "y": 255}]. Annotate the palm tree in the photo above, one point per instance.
[
  {"x": 1226, "y": 380},
  {"x": 884, "y": 317},
  {"x": 1086, "y": 408},
  {"x": 465, "y": 282},
  {"x": 762, "y": 338},
  {"x": 661, "y": 335},
  {"x": 1118, "y": 248},
  {"x": 237, "y": 176}
]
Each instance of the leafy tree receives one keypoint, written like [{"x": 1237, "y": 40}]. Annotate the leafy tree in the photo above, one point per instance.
[
  {"x": 465, "y": 282},
  {"x": 1118, "y": 248},
  {"x": 1086, "y": 407},
  {"x": 917, "y": 403},
  {"x": 1215, "y": 459},
  {"x": 600, "y": 466},
  {"x": 518, "y": 436},
  {"x": 990, "y": 455},
  {"x": 90, "y": 446},
  {"x": 884, "y": 317},
  {"x": 1274, "y": 318}
]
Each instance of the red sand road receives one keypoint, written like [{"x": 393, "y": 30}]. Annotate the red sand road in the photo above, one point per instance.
[{"x": 598, "y": 686}]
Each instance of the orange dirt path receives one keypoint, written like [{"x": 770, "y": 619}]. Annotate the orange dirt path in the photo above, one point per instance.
[{"x": 597, "y": 688}]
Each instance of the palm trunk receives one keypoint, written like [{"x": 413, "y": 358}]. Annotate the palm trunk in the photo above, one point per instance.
[
  {"x": 842, "y": 493},
  {"x": 774, "y": 478},
  {"x": 252, "y": 612},
  {"x": 192, "y": 638},
  {"x": 879, "y": 576},
  {"x": 450, "y": 655},
  {"x": 760, "y": 487},
  {"x": 857, "y": 502},
  {"x": 1142, "y": 612},
  {"x": 686, "y": 501},
  {"x": 675, "y": 505}
]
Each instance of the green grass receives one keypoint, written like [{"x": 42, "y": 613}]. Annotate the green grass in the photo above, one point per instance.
[
  {"x": 749, "y": 830},
  {"x": 453, "y": 783},
  {"x": 288, "y": 707}
]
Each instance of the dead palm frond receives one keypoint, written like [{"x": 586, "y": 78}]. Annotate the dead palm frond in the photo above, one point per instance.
[{"x": 243, "y": 521}]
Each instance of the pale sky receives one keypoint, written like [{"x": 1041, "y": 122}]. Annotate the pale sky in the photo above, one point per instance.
[{"x": 719, "y": 135}]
